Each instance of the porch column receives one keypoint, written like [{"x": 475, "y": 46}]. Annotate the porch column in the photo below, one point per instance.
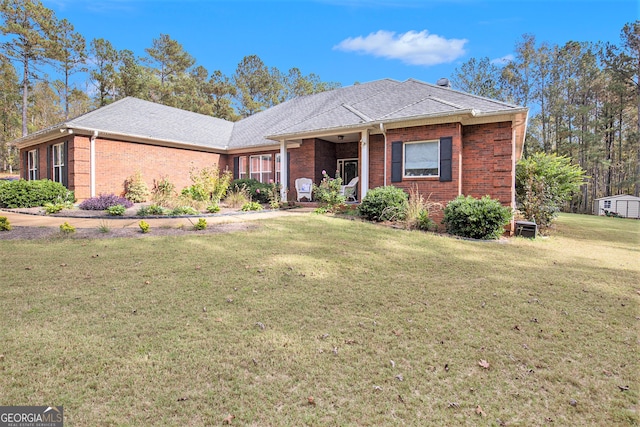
[
  {"x": 283, "y": 171},
  {"x": 364, "y": 155}
]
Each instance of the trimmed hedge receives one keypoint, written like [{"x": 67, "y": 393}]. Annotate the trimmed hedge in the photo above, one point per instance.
[
  {"x": 387, "y": 203},
  {"x": 30, "y": 194},
  {"x": 476, "y": 218}
]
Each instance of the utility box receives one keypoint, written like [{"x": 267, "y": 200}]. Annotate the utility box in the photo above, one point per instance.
[{"x": 526, "y": 229}]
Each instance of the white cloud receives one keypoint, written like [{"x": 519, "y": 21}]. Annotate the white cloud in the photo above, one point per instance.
[
  {"x": 412, "y": 47},
  {"x": 503, "y": 60}
]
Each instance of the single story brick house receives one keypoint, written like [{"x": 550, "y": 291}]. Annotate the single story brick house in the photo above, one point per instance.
[{"x": 386, "y": 132}]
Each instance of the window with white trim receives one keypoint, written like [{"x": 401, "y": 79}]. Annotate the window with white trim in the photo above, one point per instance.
[
  {"x": 607, "y": 204},
  {"x": 277, "y": 167},
  {"x": 58, "y": 162},
  {"x": 260, "y": 167},
  {"x": 421, "y": 158},
  {"x": 242, "y": 167},
  {"x": 32, "y": 166}
]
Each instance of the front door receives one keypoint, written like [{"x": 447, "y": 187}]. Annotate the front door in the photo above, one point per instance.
[{"x": 348, "y": 169}]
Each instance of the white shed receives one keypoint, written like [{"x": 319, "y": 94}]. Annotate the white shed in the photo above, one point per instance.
[{"x": 623, "y": 204}]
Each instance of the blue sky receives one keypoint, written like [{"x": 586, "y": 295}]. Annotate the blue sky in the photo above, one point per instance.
[{"x": 347, "y": 41}]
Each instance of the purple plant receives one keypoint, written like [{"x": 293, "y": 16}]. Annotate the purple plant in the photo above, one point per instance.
[{"x": 103, "y": 202}]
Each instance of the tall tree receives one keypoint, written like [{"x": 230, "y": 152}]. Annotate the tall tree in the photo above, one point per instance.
[
  {"x": 9, "y": 108},
  {"x": 103, "y": 74},
  {"x": 624, "y": 62},
  {"x": 257, "y": 86},
  {"x": 70, "y": 52},
  {"x": 221, "y": 92},
  {"x": 479, "y": 77},
  {"x": 30, "y": 27},
  {"x": 169, "y": 62},
  {"x": 133, "y": 79}
]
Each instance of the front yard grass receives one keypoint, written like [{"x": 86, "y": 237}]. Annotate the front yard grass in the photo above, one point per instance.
[{"x": 314, "y": 320}]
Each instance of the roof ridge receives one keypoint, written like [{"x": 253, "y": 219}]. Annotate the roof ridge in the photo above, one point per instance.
[
  {"x": 495, "y": 101},
  {"x": 405, "y": 106},
  {"x": 357, "y": 112}
]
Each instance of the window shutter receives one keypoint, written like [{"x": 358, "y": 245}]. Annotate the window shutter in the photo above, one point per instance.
[
  {"x": 65, "y": 163},
  {"x": 236, "y": 167},
  {"x": 396, "y": 161},
  {"x": 445, "y": 158},
  {"x": 49, "y": 160},
  {"x": 25, "y": 165},
  {"x": 37, "y": 163}
]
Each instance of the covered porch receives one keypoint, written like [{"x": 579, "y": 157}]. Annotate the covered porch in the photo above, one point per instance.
[{"x": 344, "y": 154}]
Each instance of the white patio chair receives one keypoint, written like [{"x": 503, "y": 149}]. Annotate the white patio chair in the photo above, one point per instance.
[
  {"x": 304, "y": 188},
  {"x": 349, "y": 190}
]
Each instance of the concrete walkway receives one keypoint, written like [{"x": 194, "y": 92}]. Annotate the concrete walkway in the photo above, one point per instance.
[{"x": 29, "y": 220}]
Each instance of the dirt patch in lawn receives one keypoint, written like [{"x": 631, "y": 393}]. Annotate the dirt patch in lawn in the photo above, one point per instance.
[{"x": 32, "y": 233}]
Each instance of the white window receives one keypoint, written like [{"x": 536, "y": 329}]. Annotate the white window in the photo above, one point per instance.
[
  {"x": 58, "y": 162},
  {"x": 32, "y": 160},
  {"x": 242, "y": 167},
  {"x": 277, "y": 166},
  {"x": 260, "y": 168},
  {"x": 607, "y": 204},
  {"x": 421, "y": 158}
]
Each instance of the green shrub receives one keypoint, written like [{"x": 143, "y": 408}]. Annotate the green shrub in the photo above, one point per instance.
[
  {"x": 255, "y": 190},
  {"x": 51, "y": 208},
  {"x": 117, "y": 210},
  {"x": 387, "y": 203},
  {"x": 151, "y": 210},
  {"x": 214, "y": 208},
  {"x": 476, "y": 218},
  {"x": 135, "y": 189},
  {"x": 251, "y": 206},
  {"x": 29, "y": 194},
  {"x": 65, "y": 228},
  {"x": 543, "y": 183},
  {"x": 144, "y": 226},
  {"x": 209, "y": 184},
  {"x": 201, "y": 224},
  {"x": 183, "y": 210},
  {"x": 4, "y": 224},
  {"x": 328, "y": 192}
]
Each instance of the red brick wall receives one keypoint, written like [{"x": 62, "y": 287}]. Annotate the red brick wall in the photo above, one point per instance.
[
  {"x": 488, "y": 162},
  {"x": 376, "y": 161},
  {"x": 117, "y": 160},
  {"x": 429, "y": 187}
]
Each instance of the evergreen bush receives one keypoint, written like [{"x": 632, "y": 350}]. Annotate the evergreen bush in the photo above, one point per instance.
[
  {"x": 135, "y": 189},
  {"x": 483, "y": 218},
  {"x": 257, "y": 191},
  {"x": 29, "y": 194},
  {"x": 387, "y": 203}
]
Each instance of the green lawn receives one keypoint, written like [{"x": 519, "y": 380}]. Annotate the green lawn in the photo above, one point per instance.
[{"x": 378, "y": 326}]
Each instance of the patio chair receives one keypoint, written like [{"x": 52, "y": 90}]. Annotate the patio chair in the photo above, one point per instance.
[
  {"x": 304, "y": 188},
  {"x": 349, "y": 190}
]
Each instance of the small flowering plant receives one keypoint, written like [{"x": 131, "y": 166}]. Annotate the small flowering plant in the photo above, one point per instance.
[{"x": 328, "y": 192}]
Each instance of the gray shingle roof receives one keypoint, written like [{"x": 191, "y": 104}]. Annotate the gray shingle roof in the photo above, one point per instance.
[
  {"x": 396, "y": 101},
  {"x": 353, "y": 106},
  {"x": 135, "y": 117}
]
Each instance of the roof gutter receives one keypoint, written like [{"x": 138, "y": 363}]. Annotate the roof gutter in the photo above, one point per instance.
[{"x": 47, "y": 136}]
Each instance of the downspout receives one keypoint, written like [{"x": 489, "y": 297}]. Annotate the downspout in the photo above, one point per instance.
[
  {"x": 384, "y": 133},
  {"x": 92, "y": 163}
]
